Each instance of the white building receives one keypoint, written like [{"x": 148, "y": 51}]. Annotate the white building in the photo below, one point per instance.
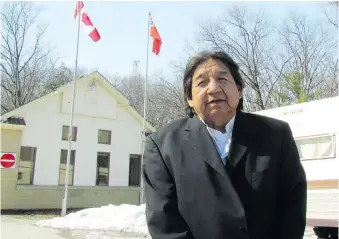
[{"x": 106, "y": 145}]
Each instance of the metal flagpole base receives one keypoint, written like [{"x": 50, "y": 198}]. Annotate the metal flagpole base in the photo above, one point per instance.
[
  {"x": 63, "y": 209},
  {"x": 142, "y": 196}
]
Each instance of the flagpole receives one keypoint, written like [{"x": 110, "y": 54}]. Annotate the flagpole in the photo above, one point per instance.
[
  {"x": 70, "y": 132},
  {"x": 144, "y": 117}
]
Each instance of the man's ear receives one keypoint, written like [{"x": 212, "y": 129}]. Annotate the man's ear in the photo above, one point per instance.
[
  {"x": 190, "y": 103},
  {"x": 241, "y": 90}
]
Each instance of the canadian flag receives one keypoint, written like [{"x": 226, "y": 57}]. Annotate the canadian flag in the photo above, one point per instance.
[{"x": 85, "y": 21}]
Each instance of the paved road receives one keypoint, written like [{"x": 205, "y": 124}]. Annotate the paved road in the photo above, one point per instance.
[{"x": 23, "y": 228}]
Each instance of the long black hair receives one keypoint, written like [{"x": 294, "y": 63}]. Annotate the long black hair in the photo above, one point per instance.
[{"x": 200, "y": 58}]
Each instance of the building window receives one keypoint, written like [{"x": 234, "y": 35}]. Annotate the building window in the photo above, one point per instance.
[
  {"x": 104, "y": 136},
  {"x": 65, "y": 130},
  {"x": 26, "y": 165},
  {"x": 102, "y": 169},
  {"x": 62, "y": 168},
  {"x": 134, "y": 170},
  {"x": 316, "y": 147}
]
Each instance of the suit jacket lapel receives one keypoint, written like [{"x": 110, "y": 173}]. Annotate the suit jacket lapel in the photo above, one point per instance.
[
  {"x": 240, "y": 132},
  {"x": 203, "y": 148},
  {"x": 236, "y": 153},
  {"x": 200, "y": 140}
]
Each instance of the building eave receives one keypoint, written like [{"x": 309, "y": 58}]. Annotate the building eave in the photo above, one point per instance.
[{"x": 12, "y": 126}]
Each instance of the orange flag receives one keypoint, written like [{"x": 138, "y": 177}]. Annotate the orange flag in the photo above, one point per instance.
[{"x": 156, "y": 38}]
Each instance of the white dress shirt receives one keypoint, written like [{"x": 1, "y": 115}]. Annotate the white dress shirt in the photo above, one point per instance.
[{"x": 222, "y": 140}]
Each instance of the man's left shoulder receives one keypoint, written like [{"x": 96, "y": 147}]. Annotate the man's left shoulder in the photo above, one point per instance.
[{"x": 265, "y": 122}]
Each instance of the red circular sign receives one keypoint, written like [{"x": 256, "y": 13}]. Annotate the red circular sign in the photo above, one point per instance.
[{"x": 7, "y": 160}]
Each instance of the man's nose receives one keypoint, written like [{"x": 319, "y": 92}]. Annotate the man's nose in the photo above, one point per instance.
[{"x": 214, "y": 86}]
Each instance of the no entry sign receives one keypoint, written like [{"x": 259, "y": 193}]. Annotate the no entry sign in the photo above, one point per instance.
[{"x": 8, "y": 160}]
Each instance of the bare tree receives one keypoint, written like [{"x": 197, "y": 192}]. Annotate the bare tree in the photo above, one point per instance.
[
  {"x": 166, "y": 101},
  {"x": 164, "y": 97},
  {"x": 331, "y": 84},
  {"x": 132, "y": 87},
  {"x": 23, "y": 66},
  {"x": 310, "y": 50},
  {"x": 246, "y": 37},
  {"x": 333, "y": 20},
  {"x": 59, "y": 77},
  {"x": 114, "y": 79}
]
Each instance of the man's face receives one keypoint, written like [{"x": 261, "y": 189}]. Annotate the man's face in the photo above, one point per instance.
[{"x": 215, "y": 95}]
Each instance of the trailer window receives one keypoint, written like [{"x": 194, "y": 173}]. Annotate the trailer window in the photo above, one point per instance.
[{"x": 317, "y": 147}]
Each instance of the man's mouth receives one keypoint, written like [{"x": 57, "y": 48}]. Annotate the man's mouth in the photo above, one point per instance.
[{"x": 216, "y": 101}]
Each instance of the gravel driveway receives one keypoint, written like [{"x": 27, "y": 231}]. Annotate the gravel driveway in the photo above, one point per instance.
[{"x": 13, "y": 227}]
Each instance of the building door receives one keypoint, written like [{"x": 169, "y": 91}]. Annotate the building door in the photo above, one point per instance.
[{"x": 102, "y": 178}]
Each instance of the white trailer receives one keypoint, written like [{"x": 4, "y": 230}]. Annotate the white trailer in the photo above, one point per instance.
[{"x": 315, "y": 127}]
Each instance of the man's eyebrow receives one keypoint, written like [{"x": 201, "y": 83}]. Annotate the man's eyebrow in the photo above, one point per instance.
[
  {"x": 224, "y": 72},
  {"x": 200, "y": 75}
]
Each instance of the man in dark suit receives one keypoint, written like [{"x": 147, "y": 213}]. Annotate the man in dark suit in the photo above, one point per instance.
[{"x": 222, "y": 173}]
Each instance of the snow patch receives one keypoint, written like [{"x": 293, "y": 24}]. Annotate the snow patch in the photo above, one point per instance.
[{"x": 123, "y": 218}]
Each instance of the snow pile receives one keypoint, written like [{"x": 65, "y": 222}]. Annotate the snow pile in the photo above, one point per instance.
[{"x": 123, "y": 218}]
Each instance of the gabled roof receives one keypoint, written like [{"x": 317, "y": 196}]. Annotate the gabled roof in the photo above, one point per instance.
[{"x": 107, "y": 85}]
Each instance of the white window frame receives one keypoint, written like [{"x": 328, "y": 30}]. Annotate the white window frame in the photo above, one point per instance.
[{"x": 333, "y": 136}]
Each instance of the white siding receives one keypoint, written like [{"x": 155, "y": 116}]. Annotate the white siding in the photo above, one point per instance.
[
  {"x": 44, "y": 121},
  {"x": 320, "y": 169},
  {"x": 90, "y": 101}
]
